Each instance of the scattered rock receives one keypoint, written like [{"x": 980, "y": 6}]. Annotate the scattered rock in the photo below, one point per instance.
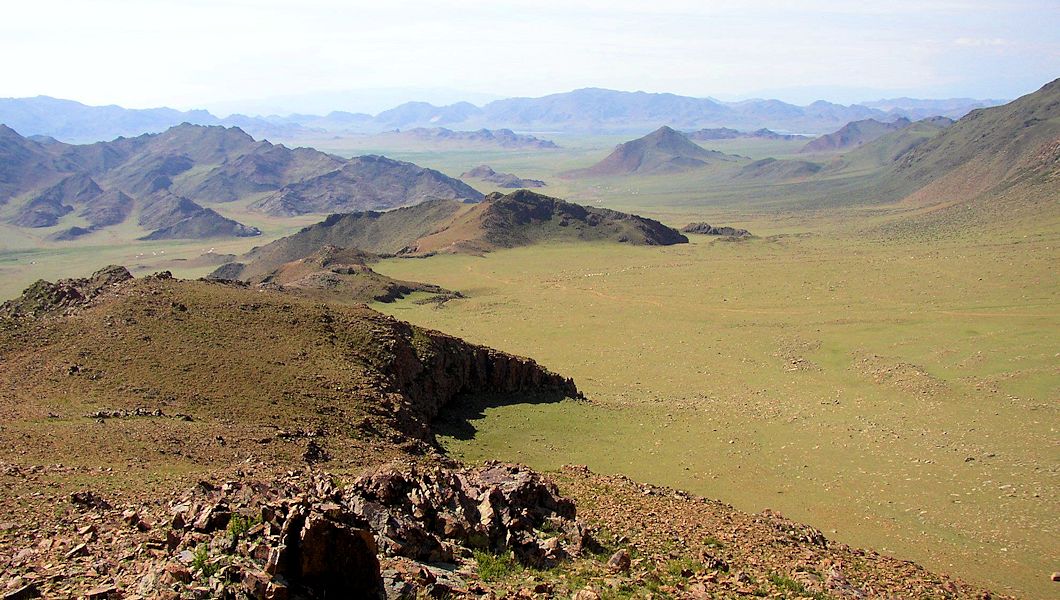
[
  {"x": 619, "y": 562},
  {"x": 89, "y": 500}
]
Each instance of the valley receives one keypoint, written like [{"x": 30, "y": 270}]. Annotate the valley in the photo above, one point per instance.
[{"x": 877, "y": 358}]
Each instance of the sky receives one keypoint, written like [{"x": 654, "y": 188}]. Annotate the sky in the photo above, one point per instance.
[{"x": 260, "y": 56}]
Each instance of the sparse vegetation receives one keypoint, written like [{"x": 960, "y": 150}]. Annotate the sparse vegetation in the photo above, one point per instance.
[{"x": 496, "y": 567}]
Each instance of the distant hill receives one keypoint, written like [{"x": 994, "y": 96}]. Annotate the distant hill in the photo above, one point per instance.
[
  {"x": 503, "y": 180},
  {"x": 774, "y": 169},
  {"x": 852, "y": 135},
  {"x": 663, "y": 151},
  {"x": 725, "y": 133},
  {"x": 168, "y": 181},
  {"x": 442, "y": 137},
  {"x": 448, "y": 226}
]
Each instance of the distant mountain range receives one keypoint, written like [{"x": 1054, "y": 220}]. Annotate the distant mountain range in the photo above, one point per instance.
[
  {"x": 584, "y": 110},
  {"x": 168, "y": 181}
]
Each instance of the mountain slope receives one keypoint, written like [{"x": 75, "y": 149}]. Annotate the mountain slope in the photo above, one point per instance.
[
  {"x": 996, "y": 163},
  {"x": 663, "y": 151},
  {"x": 365, "y": 182},
  {"x": 852, "y": 135}
]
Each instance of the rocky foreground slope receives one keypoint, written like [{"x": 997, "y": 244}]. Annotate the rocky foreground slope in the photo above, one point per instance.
[{"x": 189, "y": 439}]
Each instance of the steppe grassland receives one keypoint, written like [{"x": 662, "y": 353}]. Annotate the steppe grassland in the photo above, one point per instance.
[{"x": 900, "y": 394}]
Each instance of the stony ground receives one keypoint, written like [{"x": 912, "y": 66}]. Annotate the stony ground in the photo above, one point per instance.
[{"x": 494, "y": 531}]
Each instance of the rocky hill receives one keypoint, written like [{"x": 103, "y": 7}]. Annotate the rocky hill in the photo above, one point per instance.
[
  {"x": 499, "y": 221},
  {"x": 504, "y": 180},
  {"x": 175, "y": 183},
  {"x": 661, "y": 152},
  {"x": 212, "y": 461},
  {"x": 853, "y": 134},
  {"x": 364, "y": 182},
  {"x": 441, "y": 137},
  {"x": 333, "y": 274}
]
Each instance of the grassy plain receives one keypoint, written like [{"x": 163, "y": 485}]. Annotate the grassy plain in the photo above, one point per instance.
[
  {"x": 897, "y": 392},
  {"x": 902, "y": 398}
]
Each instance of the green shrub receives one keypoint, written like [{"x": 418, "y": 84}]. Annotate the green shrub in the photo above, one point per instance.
[{"x": 495, "y": 567}]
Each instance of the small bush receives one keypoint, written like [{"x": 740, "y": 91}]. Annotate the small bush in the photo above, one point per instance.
[
  {"x": 202, "y": 563},
  {"x": 239, "y": 525},
  {"x": 495, "y": 567}
]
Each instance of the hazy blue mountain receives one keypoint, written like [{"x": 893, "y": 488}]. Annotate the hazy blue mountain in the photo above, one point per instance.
[{"x": 584, "y": 110}]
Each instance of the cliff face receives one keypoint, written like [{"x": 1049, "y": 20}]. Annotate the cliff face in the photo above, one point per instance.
[{"x": 433, "y": 369}]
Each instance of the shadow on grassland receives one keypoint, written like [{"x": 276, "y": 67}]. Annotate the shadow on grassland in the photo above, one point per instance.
[{"x": 455, "y": 420}]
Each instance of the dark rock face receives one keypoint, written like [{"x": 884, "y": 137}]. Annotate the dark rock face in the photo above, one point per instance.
[
  {"x": 45, "y": 297},
  {"x": 708, "y": 229},
  {"x": 322, "y": 550},
  {"x": 435, "y": 369},
  {"x": 428, "y": 514}
]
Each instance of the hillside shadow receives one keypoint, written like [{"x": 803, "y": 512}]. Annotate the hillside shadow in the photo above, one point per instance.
[{"x": 455, "y": 420}]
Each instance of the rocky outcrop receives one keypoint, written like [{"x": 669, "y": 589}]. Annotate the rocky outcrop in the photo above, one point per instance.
[
  {"x": 432, "y": 369},
  {"x": 431, "y": 514},
  {"x": 304, "y": 536},
  {"x": 45, "y": 297},
  {"x": 708, "y": 229}
]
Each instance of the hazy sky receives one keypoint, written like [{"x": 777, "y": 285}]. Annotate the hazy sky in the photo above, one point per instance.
[{"x": 193, "y": 53}]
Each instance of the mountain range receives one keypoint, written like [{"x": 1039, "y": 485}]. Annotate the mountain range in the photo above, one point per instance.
[
  {"x": 164, "y": 180},
  {"x": 583, "y": 110}
]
